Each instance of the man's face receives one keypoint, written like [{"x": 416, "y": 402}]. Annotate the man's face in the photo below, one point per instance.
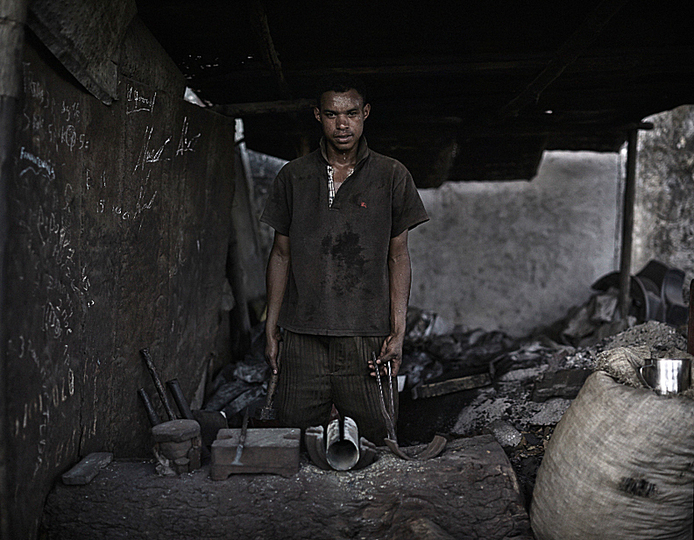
[{"x": 342, "y": 116}]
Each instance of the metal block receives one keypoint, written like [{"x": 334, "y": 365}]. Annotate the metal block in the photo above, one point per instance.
[{"x": 268, "y": 450}]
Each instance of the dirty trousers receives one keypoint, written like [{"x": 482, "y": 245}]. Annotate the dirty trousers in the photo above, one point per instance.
[{"x": 319, "y": 371}]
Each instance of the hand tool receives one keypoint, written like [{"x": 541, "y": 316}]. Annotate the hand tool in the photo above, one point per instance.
[
  {"x": 242, "y": 440},
  {"x": 434, "y": 448},
  {"x": 388, "y": 415},
  {"x": 157, "y": 383}
]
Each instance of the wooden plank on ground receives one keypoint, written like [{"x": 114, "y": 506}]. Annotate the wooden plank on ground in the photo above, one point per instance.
[{"x": 451, "y": 385}]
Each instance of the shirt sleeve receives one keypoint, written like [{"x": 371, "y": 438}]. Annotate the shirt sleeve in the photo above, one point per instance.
[
  {"x": 278, "y": 208},
  {"x": 408, "y": 208}
]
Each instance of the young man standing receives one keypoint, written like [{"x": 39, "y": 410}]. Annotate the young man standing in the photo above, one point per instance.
[{"x": 338, "y": 276}]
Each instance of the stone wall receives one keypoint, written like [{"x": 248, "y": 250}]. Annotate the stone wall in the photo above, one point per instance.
[
  {"x": 512, "y": 256},
  {"x": 664, "y": 213}
]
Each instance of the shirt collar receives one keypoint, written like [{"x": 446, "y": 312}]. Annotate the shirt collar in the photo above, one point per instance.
[{"x": 362, "y": 150}]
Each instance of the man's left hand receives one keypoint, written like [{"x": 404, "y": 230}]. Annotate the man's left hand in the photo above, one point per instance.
[{"x": 391, "y": 351}]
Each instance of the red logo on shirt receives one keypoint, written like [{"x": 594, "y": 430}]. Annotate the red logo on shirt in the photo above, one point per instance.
[{"x": 363, "y": 205}]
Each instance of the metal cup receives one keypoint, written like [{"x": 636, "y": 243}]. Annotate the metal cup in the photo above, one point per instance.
[{"x": 667, "y": 375}]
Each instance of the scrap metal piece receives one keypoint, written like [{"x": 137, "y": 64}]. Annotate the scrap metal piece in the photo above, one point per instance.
[
  {"x": 393, "y": 445},
  {"x": 87, "y": 469},
  {"x": 342, "y": 444},
  {"x": 367, "y": 454},
  {"x": 315, "y": 444},
  {"x": 434, "y": 449}
]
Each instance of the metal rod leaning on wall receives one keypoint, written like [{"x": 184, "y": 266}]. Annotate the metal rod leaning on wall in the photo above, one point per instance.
[
  {"x": 157, "y": 383},
  {"x": 12, "y": 20},
  {"x": 628, "y": 224}
]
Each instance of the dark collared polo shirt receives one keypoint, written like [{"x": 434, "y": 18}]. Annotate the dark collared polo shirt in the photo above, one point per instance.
[{"x": 338, "y": 283}]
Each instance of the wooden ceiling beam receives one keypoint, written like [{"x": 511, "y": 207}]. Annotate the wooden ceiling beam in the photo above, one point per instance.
[
  {"x": 241, "y": 110},
  {"x": 261, "y": 30},
  {"x": 474, "y": 69},
  {"x": 579, "y": 41}
]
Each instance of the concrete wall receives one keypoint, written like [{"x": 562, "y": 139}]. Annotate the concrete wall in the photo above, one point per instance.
[
  {"x": 512, "y": 256},
  {"x": 664, "y": 212}
]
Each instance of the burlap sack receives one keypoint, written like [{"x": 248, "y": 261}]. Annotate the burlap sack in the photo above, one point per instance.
[{"x": 619, "y": 466}]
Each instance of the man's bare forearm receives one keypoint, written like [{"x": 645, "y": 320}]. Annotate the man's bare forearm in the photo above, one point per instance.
[
  {"x": 278, "y": 268},
  {"x": 399, "y": 277}
]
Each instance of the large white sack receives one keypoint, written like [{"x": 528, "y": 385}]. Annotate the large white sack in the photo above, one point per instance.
[{"x": 619, "y": 466}]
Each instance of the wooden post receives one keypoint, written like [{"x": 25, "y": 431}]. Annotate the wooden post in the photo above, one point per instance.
[
  {"x": 628, "y": 224},
  {"x": 690, "y": 330},
  {"x": 12, "y": 20}
]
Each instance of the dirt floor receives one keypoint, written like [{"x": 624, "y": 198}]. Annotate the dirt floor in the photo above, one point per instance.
[{"x": 480, "y": 487}]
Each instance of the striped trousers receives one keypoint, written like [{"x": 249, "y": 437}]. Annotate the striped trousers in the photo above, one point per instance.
[{"x": 317, "y": 372}]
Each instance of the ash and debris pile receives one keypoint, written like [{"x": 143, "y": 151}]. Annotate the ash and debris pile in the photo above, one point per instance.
[{"x": 533, "y": 380}]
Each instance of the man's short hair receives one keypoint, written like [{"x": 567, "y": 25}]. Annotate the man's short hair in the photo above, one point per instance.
[{"x": 339, "y": 82}]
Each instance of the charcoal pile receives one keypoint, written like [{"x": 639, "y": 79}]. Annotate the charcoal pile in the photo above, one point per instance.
[
  {"x": 532, "y": 381},
  {"x": 435, "y": 353}
]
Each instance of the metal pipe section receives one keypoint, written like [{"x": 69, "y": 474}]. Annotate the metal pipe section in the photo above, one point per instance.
[
  {"x": 177, "y": 393},
  {"x": 154, "y": 419},
  {"x": 342, "y": 451},
  {"x": 628, "y": 224},
  {"x": 12, "y": 21}
]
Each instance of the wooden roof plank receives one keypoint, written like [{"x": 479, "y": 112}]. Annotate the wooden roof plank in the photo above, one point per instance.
[{"x": 567, "y": 54}]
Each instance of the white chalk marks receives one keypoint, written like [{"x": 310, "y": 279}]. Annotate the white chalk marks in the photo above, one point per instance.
[
  {"x": 36, "y": 165},
  {"x": 137, "y": 101},
  {"x": 184, "y": 143},
  {"x": 148, "y": 153}
]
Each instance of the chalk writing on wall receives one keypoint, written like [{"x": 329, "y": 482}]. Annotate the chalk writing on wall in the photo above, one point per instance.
[
  {"x": 149, "y": 154},
  {"x": 184, "y": 143},
  {"x": 137, "y": 101}
]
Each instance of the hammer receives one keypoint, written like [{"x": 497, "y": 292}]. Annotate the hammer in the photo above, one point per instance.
[{"x": 268, "y": 412}]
